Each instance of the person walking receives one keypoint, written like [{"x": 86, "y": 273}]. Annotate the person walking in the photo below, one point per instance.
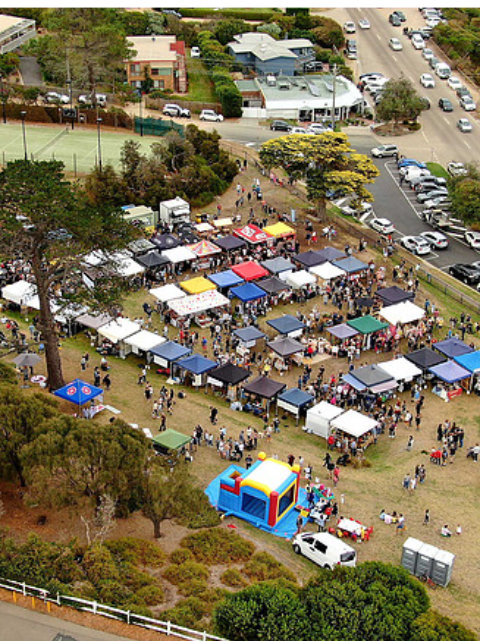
[
  {"x": 426, "y": 517},
  {"x": 96, "y": 377},
  {"x": 107, "y": 382},
  {"x": 410, "y": 444},
  {"x": 299, "y": 523},
  {"x": 400, "y": 524}
]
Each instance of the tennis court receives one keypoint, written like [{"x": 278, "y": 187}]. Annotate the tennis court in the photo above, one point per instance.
[{"x": 77, "y": 149}]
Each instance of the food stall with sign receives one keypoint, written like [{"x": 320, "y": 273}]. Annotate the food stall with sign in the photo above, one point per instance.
[
  {"x": 196, "y": 368},
  {"x": 200, "y": 308},
  {"x": 294, "y": 401},
  {"x": 114, "y": 333},
  {"x": 253, "y": 235}
]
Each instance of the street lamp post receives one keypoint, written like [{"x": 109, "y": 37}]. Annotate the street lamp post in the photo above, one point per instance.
[
  {"x": 23, "y": 114},
  {"x": 72, "y": 114},
  {"x": 99, "y": 122},
  {"x": 140, "y": 113},
  {"x": 4, "y": 99}
]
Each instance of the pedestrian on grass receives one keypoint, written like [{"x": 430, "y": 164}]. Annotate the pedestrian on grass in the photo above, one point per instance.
[
  {"x": 107, "y": 382},
  {"x": 426, "y": 517}
]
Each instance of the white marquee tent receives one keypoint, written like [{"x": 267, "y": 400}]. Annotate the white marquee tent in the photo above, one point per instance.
[
  {"x": 167, "y": 292},
  {"x": 119, "y": 329},
  {"x": 400, "y": 369},
  {"x": 179, "y": 254},
  {"x": 354, "y": 423},
  {"x": 125, "y": 266},
  {"x": 142, "y": 341},
  {"x": 19, "y": 292},
  {"x": 300, "y": 279},
  {"x": 198, "y": 303},
  {"x": 404, "y": 312},
  {"x": 327, "y": 271},
  {"x": 319, "y": 418}
]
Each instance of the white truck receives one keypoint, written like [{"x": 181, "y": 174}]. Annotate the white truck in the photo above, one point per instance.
[{"x": 174, "y": 212}]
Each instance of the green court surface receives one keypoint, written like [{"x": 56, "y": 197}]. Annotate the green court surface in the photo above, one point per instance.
[{"x": 77, "y": 149}]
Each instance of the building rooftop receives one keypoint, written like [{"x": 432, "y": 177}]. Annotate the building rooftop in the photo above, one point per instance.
[
  {"x": 9, "y": 22},
  {"x": 264, "y": 47},
  {"x": 152, "y": 48}
]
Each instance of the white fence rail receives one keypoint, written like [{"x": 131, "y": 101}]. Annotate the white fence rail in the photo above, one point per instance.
[{"x": 165, "y": 627}]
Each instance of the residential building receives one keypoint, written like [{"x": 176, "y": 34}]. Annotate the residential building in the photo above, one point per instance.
[
  {"x": 163, "y": 58},
  {"x": 265, "y": 55},
  {"x": 14, "y": 32},
  {"x": 305, "y": 98}
]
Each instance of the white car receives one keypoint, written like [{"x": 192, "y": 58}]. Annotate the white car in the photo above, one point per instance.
[
  {"x": 427, "y": 81},
  {"x": 384, "y": 150},
  {"x": 209, "y": 114},
  {"x": 456, "y": 169},
  {"x": 433, "y": 22},
  {"x": 298, "y": 130},
  {"x": 454, "y": 83},
  {"x": 86, "y": 99},
  {"x": 395, "y": 44},
  {"x": 473, "y": 239},
  {"x": 467, "y": 103},
  {"x": 195, "y": 52},
  {"x": 316, "y": 128},
  {"x": 416, "y": 244},
  {"x": 359, "y": 210},
  {"x": 418, "y": 42},
  {"x": 324, "y": 549},
  {"x": 382, "y": 225},
  {"x": 349, "y": 27},
  {"x": 427, "y": 53},
  {"x": 54, "y": 97},
  {"x": 409, "y": 173},
  {"x": 436, "y": 239},
  {"x": 464, "y": 125},
  {"x": 363, "y": 23}
]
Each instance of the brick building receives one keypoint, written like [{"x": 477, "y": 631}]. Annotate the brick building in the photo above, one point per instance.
[{"x": 164, "y": 58}]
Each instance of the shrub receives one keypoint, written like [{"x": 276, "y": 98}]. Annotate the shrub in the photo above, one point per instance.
[
  {"x": 187, "y": 571},
  {"x": 192, "y": 587},
  {"x": 199, "y": 513},
  {"x": 263, "y": 566},
  {"x": 137, "y": 551},
  {"x": 233, "y": 578},
  {"x": 180, "y": 556},
  {"x": 99, "y": 565},
  {"x": 135, "y": 579},
  {"x": 433, "y": 626},
  {"x": 187, "y": 612},
  {"x": 113, "y": 592},
  {"x": 218, "y": 546},
  {"x": 151, "y": 594}
]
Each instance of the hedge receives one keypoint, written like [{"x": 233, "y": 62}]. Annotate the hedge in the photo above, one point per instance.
[{"x": 245, "y": 14}]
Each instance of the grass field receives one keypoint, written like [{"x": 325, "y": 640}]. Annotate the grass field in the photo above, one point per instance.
[
  {"x": 77, "y": 149},
  {"x": 200, "y": 87}
]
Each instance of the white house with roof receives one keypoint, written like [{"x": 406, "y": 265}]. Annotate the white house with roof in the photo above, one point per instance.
[
  {"x": 305, "y": 98},
  {"x": 265, "y": 55}
]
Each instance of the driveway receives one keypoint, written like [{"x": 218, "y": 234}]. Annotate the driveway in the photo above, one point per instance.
[{"x": 30, "y": 72}]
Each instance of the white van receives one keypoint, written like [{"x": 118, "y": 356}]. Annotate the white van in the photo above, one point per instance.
[
  {"x": 443, "y": 71},
  {"x": 324, "y": 549}
]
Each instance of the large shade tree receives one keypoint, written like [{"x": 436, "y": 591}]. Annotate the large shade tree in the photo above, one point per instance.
[
  {"x": 400, "y": 101},
  {"x": 465, "y": 194},
  {"x": 326, "y": 162},
  {"x": 47, "y": 222}
]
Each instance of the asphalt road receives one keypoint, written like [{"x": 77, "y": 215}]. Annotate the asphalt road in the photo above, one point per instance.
[{"x": 19, "y": 624}]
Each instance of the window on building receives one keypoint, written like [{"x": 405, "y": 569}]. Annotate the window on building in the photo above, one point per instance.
[
  {"x": 154, "y": 71},
  {"x": 159, "y": 84},
  {"x": 135, "y": 68}
]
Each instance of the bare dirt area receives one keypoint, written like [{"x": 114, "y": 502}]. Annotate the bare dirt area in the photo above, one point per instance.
[{"x": 451, "y": 493}]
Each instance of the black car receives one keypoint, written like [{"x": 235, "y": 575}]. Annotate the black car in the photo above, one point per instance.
[
  {"x": 466, "y": 273},
  {"x": 426, "y": 102},
  {"x": 445, "y": 104},
  {"x": 400, "y": 15},
  {"x": 394, "y": 20},
  {"x": 280, "y": 125}
]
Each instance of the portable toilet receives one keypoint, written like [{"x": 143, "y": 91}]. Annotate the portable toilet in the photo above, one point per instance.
[
  {"x": 442, "y": 567},
  {"x": 425, "y": 557},
  {"x": 410, "y": 551}
]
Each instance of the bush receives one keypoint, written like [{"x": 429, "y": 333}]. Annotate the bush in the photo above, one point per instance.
[
  {"x": 180, "y": 556},
  {"x": 233, "y": 578},
  {"x": 247, "y": 14},
  {"x": 218, "y": 546},
  {"x": 99, "y": 565},
  {"x": 151, "y": 594},
  {"x": 199, "y": 513},
  {"x": 263, "y": 567},
  {"x": 187, "y": 613},
  {"x": 192, "y": 587},
  {"x": 137, "y": 551},
  {"x": 187, "y": 571},
  {"x": 433, "y": 626}
]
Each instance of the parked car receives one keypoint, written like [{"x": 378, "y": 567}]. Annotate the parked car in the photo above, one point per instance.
[
  {"x": 316, "y": 128},
  {"x": 440, "y": 202},
  {"x": 400, "y": 15},
  {"x": 175, "y": 111},
  {"x": 472, "y": 238},
  {"x": 52, "y": 97},
  {"x": 418, "y": 42},
  {"x": 86, "y": 99},
  {"x": 349, "y": 27},
  {"x": 298, "y": 130},
  {"x": 467, "y": 103},
  {"x": 384, "y": 151},
  {"x": 464, "y": 125},
  {"x": 395, "y": 44},
  {"x": 324, "y": 549},
  {"x": 463, "y": 91},
  {"x": 456, "y": 169},
  {"x": 454, "y": 83},
  {"x": 363, "y": 23},
  {"x": 466, "y": 273},
  {"x": 426, "y": 102},
  {"x": 415, "y": 244},
  {"x": 428, "y": 185},
  {"x": 357, "y": 210},
  {"x": 434, "y": 193},
  {"x": 280, "y": 125},
  {"x": 195, "y": 52},
  {"x": 445, "y": 104},
  {"x": 209, "y": 114},
  {"x": 411, "y": 162},
  {"x": 427, "y": 54},
  {"x": 427, "y": 80},
  {"x": 433, "y": 62},
  {"x": 172, "y": 12},
  {"x": 382, "y": 225},
  {"x": 436, "y": 239},
  {"x": 394, "y": 20},
  {"x": 351, "y": 49},
  {"x": 413, "y": 173}
]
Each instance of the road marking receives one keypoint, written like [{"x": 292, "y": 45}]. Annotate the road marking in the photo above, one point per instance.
[
  {"x": 467, "y": 144},
  {"x": 446, "y": 120},
  {"x": 394, "y": 58},
  {"x": 378, "y": 37}
]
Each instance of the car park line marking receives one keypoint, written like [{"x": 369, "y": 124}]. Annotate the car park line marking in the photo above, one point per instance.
[
  {"x": 401, "y": 190},
  {"x": 467, "y": 144},
  {"x": 378, "y": 37},
  {"x": 446, "y": 120}
]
